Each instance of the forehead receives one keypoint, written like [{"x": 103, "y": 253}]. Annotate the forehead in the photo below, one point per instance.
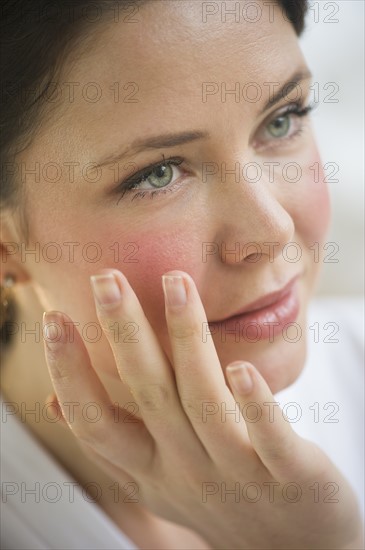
[
  {"x": 153, "y": 66},
  {"x": 178, "y": 36}
]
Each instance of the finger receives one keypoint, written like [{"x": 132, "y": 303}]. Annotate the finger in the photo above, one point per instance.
[
  {"x": 280, "y": 448},
  {"x": 54, "y": 409},
  {"x": 202, "y": 388},
  {"x": 84, "y": 401},
  {"x": 142, "y": 364},
  {"x": 114, "y": 472}
]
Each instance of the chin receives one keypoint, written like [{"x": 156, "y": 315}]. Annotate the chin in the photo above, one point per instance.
[
  {"x": 284, "y": 367},
  {"x": 279, "y": 362}
]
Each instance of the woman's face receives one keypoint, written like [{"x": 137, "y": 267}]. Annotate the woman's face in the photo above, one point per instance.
[{"x": 180, "y": 70}]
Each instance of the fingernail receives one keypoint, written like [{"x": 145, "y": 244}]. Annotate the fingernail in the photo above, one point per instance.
[
  {"x": 53, "y": 330},
  {"x": 174, "y": 290},
  {"x": 240, "y": 378},
  {"x": 106, "y": 290}
]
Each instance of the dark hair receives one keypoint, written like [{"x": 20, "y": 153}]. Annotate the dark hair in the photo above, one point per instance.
[{"x": 37, "y": 36}]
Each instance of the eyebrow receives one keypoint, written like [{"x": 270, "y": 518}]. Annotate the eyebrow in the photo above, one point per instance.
[
  {"x": 164, "y": 141},
  {"x": 286, "y": 88}
]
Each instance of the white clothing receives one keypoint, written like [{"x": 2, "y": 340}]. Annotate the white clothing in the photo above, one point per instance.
[{"x": 46, "y": 510}]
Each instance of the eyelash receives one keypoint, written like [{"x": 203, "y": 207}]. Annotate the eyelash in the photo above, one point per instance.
[
  {"x": 296, "y": 109},
  {"x": 139, "y": 177}
]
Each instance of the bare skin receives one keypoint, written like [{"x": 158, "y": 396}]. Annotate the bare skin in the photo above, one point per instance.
[{"x": 168, "y": 233}]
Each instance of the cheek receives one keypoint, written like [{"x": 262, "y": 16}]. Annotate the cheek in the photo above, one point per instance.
[
  {"x": 142, "y": 257},
  {"x": 312, "y": 209},
  {"x": 158, "y": 253}
]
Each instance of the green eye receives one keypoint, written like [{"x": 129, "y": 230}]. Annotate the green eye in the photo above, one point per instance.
[
  {"x": 160, "y": 176},
  {"x": 280, "y": 126}
]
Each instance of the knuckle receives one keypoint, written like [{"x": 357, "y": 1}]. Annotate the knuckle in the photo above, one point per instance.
[
  {"x": 60, "y": 370},
  {"x": 280, "y": 449},
  {"x": 283, "y": 456},
  {"x": 194, "y": 408},
  {"x": 185, "y": 332},
  {"x": 152, "y": 397}
]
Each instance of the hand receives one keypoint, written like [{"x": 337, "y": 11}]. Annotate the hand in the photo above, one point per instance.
[{"x": 183, "y": 451}]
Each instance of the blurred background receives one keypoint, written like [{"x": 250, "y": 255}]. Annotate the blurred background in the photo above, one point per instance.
[{"x": 333, "y": 44}]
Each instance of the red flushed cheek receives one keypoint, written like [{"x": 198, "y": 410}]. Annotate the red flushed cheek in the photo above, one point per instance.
[{"x": 157, "y": 253}]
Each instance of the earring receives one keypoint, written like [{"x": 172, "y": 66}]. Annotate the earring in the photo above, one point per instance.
[{"x": 6, "y": 297}]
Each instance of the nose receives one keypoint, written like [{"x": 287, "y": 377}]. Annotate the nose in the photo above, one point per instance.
[{"x": 253, "y": 223}]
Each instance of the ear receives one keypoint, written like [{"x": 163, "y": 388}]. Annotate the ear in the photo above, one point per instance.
[{"x": 12, "y": 255}]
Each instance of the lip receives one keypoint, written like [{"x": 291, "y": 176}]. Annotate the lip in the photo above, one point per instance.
[
  {"x": 266, "y": 300},
  {"x": 264, "y": 318}
]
